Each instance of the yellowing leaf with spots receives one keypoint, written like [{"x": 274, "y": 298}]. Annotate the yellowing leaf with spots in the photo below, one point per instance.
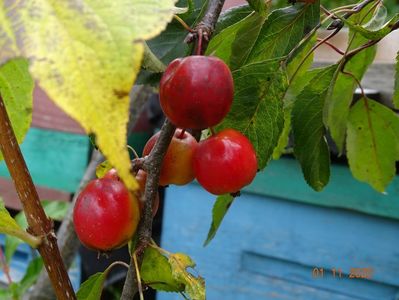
[{"x": 86, "y": 55}]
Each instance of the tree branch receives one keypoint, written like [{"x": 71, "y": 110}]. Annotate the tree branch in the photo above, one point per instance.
[
  {"x": 152, "y": 164},
  {"x": 206, "y": 26},
  {"x": 39, "y": 224}
]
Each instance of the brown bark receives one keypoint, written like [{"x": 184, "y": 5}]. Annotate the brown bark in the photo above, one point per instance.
[{"x": 39, "y": 224}]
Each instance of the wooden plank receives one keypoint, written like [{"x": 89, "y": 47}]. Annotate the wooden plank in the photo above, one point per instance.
[
  {"x": 267, "y": 248},
  {"x": 284, "y": 179},
  {"x": 47, "y": 115},
  {"x": 56, "y": 160},
  {"x": 10, "y": 197}
]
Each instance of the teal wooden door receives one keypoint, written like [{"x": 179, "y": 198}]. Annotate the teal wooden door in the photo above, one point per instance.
[{"x": 281, "y": 240}]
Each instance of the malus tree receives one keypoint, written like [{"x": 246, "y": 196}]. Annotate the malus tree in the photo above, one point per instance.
[{"x": 249, "y": 86}]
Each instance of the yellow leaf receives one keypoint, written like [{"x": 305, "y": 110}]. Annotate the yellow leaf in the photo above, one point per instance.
[
  {"x": 86, "y": 55},
  {"x": 194, "y": 286}
]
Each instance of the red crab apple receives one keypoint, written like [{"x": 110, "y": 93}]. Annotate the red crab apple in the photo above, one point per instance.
[
  {"x": 141, "y": 178},
  {"x": 225, "y": 162},
  {"x": 196, "y": 91},
  {"x": 105, "y": 214},
  {"x": 177, "y": 164}
]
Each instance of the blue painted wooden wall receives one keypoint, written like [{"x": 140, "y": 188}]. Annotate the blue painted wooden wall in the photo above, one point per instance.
[
  {"x": 55, "y": 159},
  {"x": 279, "y": 231}
]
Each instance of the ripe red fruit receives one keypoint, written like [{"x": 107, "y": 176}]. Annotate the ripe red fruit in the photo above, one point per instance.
[
  {"x": 225, "y": 162},
  {"x": 105, "y": 215},
  {"x": 177, "y": 164},
  {"x": 141, "y": 178},
  {"x": 196, "y": 91}
]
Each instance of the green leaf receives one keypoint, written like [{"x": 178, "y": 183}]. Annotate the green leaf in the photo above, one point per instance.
[
  {"x": 285, "y": 135},
  {"x": 283, "y": 30},
  {"x": 231, "y": 16},
  {"x": 157, "y": 272},
  {"x": 373, "y": 143},
  {"x": 31, "y": 274},
  {"x": 86, "y": 56},
  {"x": 337, "y": 106},
  {"x": 92, "y": 288},
  {"x": 55, "y": 210},
  {"x": 396, "y": 88},
  {"x": 259, "y": 6},
  {"x": 371, "y": 31},
  {"x": 194, "y": 286},
  {"x": 16, "y": 88},
  {"x": 6, "y": 294},
  {"x": 296, "y": 67},
  {"x": 311, "y": 148},
  {"x": 222, "y": 205},
  {"x": 10, "y": 227},
  {"x": 257, "y": 109},
  {"x": 234, "y": 43},
  {"x": 151, "y": 62},
  {"x": 170, "y": 43}
]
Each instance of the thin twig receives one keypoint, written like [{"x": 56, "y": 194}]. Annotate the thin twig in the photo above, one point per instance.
[
  {"x": 39, "y": 224},
  {"x": 136, "y": 267},
  {"x": 4, "y": 264}
]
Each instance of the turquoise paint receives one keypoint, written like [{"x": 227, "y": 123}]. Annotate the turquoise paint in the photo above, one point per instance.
[
  {"x": 284, "y": 179},
  {"x": 55, "y": 159}
]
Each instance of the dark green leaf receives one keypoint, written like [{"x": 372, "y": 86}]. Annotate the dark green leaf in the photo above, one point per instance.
[
  {"x": 373, "y": 143},
  {"x": 396, "y": 88},
  {"x": 31, "y": 274},
  {"x": 257, "y": 109},
  {"x": 16, "y": 88},
  {"x": 170, "y": 43},
  {"x": 259, "y": 6},
  {"x": 283, "y": 30},
  {"x": 232, "y": 16},
  {"x": 157, "y": 272},
  {"x": 337, "y": 106},
  {"x": 92, "y": 288},
  {"x": 234, "y": 43},
  {"x": 219, "y": 210},
  {"x": 311, "y": 148}
]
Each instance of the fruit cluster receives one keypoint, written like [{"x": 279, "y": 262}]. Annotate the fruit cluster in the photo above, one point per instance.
[{"x": 196, "y": 92}]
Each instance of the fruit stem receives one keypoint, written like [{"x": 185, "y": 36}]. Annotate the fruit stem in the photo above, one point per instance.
[
  {"x": 139, "y": 285},
  {"x": 199, "y": 44},
  {"x": 213, "y": 132},
  {"x": 134, "y": 151},
  {"x": 184, "y": 24},
  {"x": 181, "y": 135}
]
